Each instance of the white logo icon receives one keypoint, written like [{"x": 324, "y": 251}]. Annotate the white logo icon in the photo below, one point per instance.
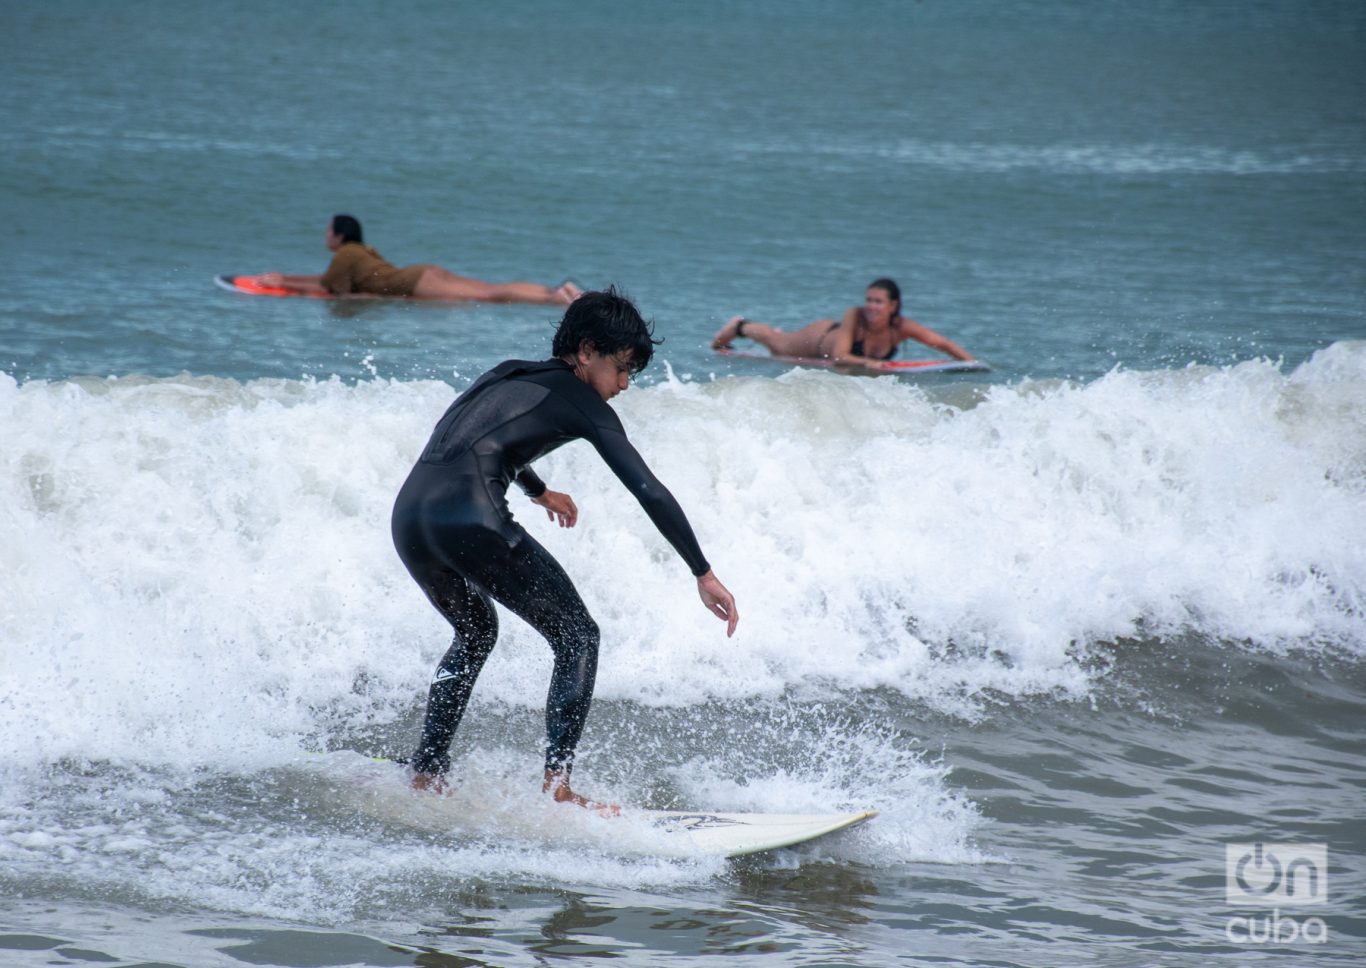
[{"x": 1283, "y": 875}]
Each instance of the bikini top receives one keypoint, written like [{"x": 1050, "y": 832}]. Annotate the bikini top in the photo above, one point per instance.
[{"x": 857, "y": 350}]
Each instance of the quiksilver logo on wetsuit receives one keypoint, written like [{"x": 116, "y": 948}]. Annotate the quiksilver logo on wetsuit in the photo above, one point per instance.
[{"x": 442, "y": 675}]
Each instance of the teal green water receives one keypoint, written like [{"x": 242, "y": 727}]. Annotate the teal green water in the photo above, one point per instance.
[
  {"x": 1062, "y": 188},
  {"x": 1096, "y": 615}
]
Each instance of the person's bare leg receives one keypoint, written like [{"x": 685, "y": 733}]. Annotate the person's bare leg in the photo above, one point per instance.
[
  {"x": 439, "y": 283},
  {"x": 557, "y": 785},
  {"x": 804, "y": 342}
]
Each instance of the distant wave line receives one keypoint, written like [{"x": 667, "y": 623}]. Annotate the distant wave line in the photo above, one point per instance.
[
  {"x": 1138, "y": 159},
  {"x": 155, "y": 142}
]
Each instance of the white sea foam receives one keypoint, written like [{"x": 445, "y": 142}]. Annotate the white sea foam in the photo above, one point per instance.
[
  {"x": 1151, "y": 158},
  {"x": 339, "y": 838},
  {"x": 195, "y": 570},
  {"x": 1122, "y": 159}
]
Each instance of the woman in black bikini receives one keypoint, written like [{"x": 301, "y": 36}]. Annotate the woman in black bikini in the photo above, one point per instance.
[{"x": 866, "y": 334}]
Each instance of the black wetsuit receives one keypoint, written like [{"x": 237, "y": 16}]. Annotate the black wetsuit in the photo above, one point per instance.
[{"x": 455, "y": 534}]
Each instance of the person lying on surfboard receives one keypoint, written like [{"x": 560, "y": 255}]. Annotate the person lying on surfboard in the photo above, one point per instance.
[
  {"x": 457, "y": 538},
  {"x": 866, "y": 334},
  {"x": 357, "y": 269}
]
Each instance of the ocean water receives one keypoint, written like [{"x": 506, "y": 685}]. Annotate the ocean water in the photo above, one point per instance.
[{"x": 1084, "y": 629}]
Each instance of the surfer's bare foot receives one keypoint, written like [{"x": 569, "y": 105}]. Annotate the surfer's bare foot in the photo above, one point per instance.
[
  {"x": 567, "y": 291},
  {"x": 430, "y": 782},
  {"x": 727, "y": 333},
  {"x": 557, "y": 785}
]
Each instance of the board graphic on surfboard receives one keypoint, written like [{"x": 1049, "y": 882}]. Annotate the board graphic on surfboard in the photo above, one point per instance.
[{"x": 879, "y": 366}]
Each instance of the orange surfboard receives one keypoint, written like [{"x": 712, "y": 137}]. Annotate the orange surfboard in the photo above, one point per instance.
[{"x": 251, "y": 285}]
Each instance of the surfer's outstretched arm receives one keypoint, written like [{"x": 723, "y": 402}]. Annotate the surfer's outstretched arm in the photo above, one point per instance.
[
  {"x": 307, "y": 284},
  {"x": 664, "y": 511},
  {"x": 912, "y": 330}
]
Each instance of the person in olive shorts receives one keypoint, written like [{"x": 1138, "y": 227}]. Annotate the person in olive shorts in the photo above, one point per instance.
[
  {"x": 456, "y": 535},
  {"x": 358, "y": 270}
]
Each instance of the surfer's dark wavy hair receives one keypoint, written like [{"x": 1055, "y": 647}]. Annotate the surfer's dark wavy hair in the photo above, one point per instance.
[
  {"x": 609, "y": 323},
  {"x": 347, "y": 228},
  {"x": 890, "y": 287}
]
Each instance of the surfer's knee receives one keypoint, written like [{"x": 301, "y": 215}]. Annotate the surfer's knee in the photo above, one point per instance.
[
  {"x": 586, "y": 629},
  {"x": 576, "y": 668},
  {"x": 577, "y": 638},
  {"x": 474, "y": 638}
]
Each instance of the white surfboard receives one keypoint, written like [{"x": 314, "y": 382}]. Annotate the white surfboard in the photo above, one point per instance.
[
  {"x": 486, "y": 809},
  {"x": 877, "y": 366},
  {"x": 738, "y": 834}
]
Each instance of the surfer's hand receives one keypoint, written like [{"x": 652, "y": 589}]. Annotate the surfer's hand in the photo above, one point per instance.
[
  {"x": 718, "y": 600},
  {"x": 558, "y": 505},
  {"x": 271, "y": 279}
]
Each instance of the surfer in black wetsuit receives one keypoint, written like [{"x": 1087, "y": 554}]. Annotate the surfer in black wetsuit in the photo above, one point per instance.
[{"x": 457, "y": 538}]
